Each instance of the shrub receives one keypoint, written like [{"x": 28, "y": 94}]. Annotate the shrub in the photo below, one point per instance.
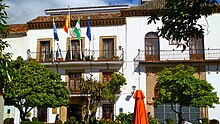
[
  {"x": 34, "y": 119},
  {"x": 170, "y": 121},
  {"x": 123, "y": 118},
  {"x": 152, "y": 120},
  {"x": 205, "y": 120},
  {"x": 58, "y": 121},
  {"x": 214, "y": 121},
  {"x": 7, "y": 121}
]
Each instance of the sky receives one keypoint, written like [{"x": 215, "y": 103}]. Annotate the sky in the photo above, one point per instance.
[{"x": 22, "y": 11}]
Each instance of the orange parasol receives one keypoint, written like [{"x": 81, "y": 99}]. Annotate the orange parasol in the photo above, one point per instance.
[{"x": 140, "y": 115}]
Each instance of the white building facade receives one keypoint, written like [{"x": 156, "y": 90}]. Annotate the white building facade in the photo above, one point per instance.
[{"x": 122, "y": 41}]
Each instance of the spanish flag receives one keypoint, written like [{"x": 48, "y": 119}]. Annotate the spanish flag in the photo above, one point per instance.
[{"x": 66, "y": 24}]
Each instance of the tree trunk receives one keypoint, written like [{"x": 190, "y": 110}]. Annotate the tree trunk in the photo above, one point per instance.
[
  {"x": 181, "y": 118},
  {"x": 88, "y": 107},
  {"x": 22, "y": 114},
  {"x": 112, "y": 113},
  {"x": 1, "y": 108}
]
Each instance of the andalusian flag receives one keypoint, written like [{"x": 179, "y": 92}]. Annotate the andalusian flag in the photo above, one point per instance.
[
  {"x": 76, "y": 30},
  {"x": 66, "y": 24}
]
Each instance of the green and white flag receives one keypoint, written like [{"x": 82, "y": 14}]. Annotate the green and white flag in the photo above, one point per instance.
[{"x": 77, "y": 31}]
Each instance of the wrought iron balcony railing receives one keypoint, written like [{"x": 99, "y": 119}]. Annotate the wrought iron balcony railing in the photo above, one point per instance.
[
  {"x": 76, "y": 55},
  {"x": 172, "y": 55}
]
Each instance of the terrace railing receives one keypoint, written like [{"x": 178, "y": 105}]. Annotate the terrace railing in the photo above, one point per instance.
[
  {"x": 172, "y": 55},
  {"x": 76, "y": 55}
]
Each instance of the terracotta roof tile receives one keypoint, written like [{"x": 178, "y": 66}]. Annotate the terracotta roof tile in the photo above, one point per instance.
[
  {"x": 75, "y": 16},
  {"x": 18, "y": 28},
  {"x": 149, "y": 5},
  {"x": 89, "y": 7}
]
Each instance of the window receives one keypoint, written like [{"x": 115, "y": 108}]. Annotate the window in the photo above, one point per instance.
[
  {"x": 196, "y": 48},
  {"x": 107, "y": 109},
  {"x": 42, "y": 114},
  {"x": 196, "y": 45},
  {"x": 75, "y": 50},
  {"x": 106, "y": 76},
  {"x": 45, "y": 53},
  {"x": 151, "y": 46},
  {"x": 74, "y": 81},
  {"x": 44, "y": 50},
  {"x": 108, "y": 47}
]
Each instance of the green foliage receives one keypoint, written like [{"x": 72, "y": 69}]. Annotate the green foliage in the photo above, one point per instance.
[
  {"x": 113, "y": 87},
  {"x": 123, "y": 118},
  {"x": 34, "y": 119},
  {"x": 87, "y": 58},
  {"x": 7, "y": 120},
  {"x": 179, "y": 85},
  {"x": 33, "y": 85},
  {"x": 153, "y": 120},
  {"x": 180, "y": 18},
  {"x": 5, "y": 71},
  {"x": 72, "y": 120},
  {"x": 170, "y": 121},
  {"x": 32, "y": 122},
  {"x": 95, "y": 93},
  {"x": 205, "y": 121},
  {"x": 58, "y": 121},
  {"x": 214, "y": 121},
  {"x": 3, "y": 20}
]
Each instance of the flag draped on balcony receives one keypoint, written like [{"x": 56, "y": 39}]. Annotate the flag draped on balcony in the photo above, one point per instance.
[
  {"x": 58, "y": 52},
  {"x": 88, "y": 32},
  {"x": 77, "y": 31},
  {"x": 67, "y": 22},
  {"x": 55, "y": 31}
]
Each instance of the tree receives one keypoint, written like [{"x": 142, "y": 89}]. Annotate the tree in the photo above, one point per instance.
[
  {"x": 4, "y": 57},
  {"x": 178, "y": 85},
  {"x": 35, "y": 86},
  {"x": 94, "y": 92},
  {"x": 113, "y": 87},
  {"x": 179, "y": 19}
]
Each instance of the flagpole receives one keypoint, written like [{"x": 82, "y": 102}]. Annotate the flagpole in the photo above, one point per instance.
[
  {"x": 53, "y": 60},
  {"x": 89, "y": 41},
  {"x": 88, "y": 33},
  {"x": 71, "y": 57}
]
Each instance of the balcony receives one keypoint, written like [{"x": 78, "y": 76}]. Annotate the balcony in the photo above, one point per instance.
[
  {"x": 77, "y": 56},
  {"x": 176, "y": 56}
]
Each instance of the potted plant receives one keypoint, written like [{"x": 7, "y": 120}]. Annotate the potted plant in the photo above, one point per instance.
[{"x": 88, "y": 58}]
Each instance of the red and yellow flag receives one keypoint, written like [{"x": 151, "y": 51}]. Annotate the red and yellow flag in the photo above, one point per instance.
[{"x": 66, "y": 24}]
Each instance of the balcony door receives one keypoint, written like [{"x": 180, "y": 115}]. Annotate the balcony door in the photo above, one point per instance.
[
  {"x": 45, "y": 54},
  {"x": 196, "y": 49},
  {"x": 75, "y": 49},
  {"x": 108, "y": 48},
  {"x": 74, "y": 82},
  {"x": 151, "y": 47}
]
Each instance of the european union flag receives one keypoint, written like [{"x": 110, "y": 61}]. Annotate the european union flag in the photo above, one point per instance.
[
  {"x": 88, "y": 32},
  {"x": 55, "y": 31}
]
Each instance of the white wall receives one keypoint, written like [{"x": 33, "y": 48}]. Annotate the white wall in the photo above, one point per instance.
[
  {"x": 214, "y": 79},
  {"x": 18, "y": 47}
]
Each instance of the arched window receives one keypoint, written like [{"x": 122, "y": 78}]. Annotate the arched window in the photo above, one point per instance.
[{"x": 152, "y": 47}]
